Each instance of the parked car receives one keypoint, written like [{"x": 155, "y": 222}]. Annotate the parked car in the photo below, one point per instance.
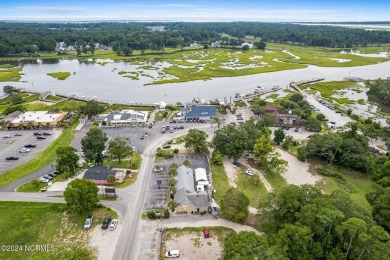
[
  {"x": 113, "y": 224},
  {"x": 134, "y": 149},
  {"x": 12, "y": 158},
  {"x": 44, "y": 180},
  {"x": 24, "y": 150},
  {"x": 46, "y": 133},
  {"x": 150, "y": 125},
  {"x": 18, "y": 134},
  {"x": 106, "y": 222},
  {"x": 235, "y": 163},
  {"x": 41, "y": 137},
  {"x": 53, "y": 174},
  {"x": 166, "y": 146},
  {"x": 6, "y": 136},
  {"x": 146, "y": 134},
  {"x": 172, "y": 254},
  {"x": 88, "y": 222},
  {"x": 37, "y": 133},
  {"x": 80, "y": 164},
  {"x": 169, "y": 142},
  {"x": 47, "y": 176},
  {"x": 249, "y": 172},
  {"x": 171, "y": 131},
  {"x": 142, "y": 137},
  {"x": 174, "y": 141}
]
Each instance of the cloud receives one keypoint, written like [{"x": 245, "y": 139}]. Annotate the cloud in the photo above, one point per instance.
[{"x": 50, "y": 9}]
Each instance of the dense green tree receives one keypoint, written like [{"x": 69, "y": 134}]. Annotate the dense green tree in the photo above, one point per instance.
[
  {"x": 9, "y": 89},
  {"x": 93, "y": 144},
  {"x": 266, "y": 121},
  {"x": 187, "y": 163},
  {"x": 15, "y": 100},
  {"x": 196, "y": 139},
  {"x": 111, "y": 179},
  {"x": 66, "y": 159},
  {"x": 321, "y": 117},
  {"x": 119, "y": 148},
  {"x": 81, "y": 196},
  {"x": 234, "y": 205},
  {"x": 92, "y": 108},
  {"x": 261, "y": 45},
  {"x": 268, "y": 157},
  {"x": 217, "y": 158},
  {"x": 379, "y": 200},
  {"x": 279, "y": 136}
]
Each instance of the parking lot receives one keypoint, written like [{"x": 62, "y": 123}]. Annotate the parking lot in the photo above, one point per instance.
[
  {"x": 11, "y": 146},
  {"x": 157, "y": 195}
]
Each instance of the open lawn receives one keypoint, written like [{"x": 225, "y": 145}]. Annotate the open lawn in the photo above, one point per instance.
[
  {"x": 43, "y": 159},
  {"x": 66, "y": 105},
  {"x": 252, "y": 187},
  {"x": 328, "y": 89},
  {"x": 160, "y": 115},
  {"x": 220, "y": 181},
  {"x": 28, "y": 224},
  {"x": 132, "y": 162}
]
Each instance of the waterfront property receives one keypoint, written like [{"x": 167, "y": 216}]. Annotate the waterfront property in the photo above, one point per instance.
[
  {"x": 126, "y": 117},
  {"x": 188, "y": 200},
  {"x": 199, "y": 112},
  {"x": 282, "y": 117},
  {"x": 43, "y": 118}
]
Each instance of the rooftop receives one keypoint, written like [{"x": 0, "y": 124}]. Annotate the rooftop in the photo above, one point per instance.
[{"x": 38, "y": 116}]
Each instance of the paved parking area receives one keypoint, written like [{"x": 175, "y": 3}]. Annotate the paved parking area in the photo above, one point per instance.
[
  {"x": 11, "y": 146},
  {"x": 157, "y": 197}
]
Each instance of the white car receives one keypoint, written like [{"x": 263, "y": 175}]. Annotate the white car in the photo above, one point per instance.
[
  {"x": 80, "y": 164},
  {"x": 249, "y": 172},
  {"x": 44, "y": 180},
  {"x": 172, "y": 254},
  {"x": 24, "y": 150},
  {"x": 6, "y": 136},
  {"x": 113, "y": 224},
  {"x": 88, "y": 222}
]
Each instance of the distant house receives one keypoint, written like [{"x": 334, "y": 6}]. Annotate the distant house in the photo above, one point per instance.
[
  {"x": 161, "y": 105},
  {"x": 99, "y": 174},
  {"x": 187, "y": 198},
  {"x": 215, "y": 44},
  {"x": 127, "y": 117},
  {"x": 200, "y": 113},
  {"x": 249, "y": 37},
  {"x": 282, "y": 117},
  {"x": 194, "y": 44}
]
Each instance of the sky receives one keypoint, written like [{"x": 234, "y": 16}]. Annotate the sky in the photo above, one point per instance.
[{"x": 196, "y": 10}]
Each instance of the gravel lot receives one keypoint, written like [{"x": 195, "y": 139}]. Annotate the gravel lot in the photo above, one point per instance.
[
  {"x": 101, "y": 238},
  {"x": 11, "y": 147}
]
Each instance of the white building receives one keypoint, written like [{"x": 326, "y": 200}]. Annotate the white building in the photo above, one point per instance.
[
  {"x": 201, "y": 179},
  {"x": 127, "y": 117},
  {"x": 250, "y": 45},
  {"x": 36, "y": 117}
]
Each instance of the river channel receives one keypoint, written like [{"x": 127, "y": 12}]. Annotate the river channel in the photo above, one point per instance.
[{"x": 104, "y": 82}]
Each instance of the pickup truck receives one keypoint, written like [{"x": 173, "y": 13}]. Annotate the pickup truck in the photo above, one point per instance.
[{"x": 88, "y": 222}]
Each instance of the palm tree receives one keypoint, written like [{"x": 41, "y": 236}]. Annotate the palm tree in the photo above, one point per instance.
[
  {"x": 173, "y": 166},
  {"x": 187, "y": 163}
]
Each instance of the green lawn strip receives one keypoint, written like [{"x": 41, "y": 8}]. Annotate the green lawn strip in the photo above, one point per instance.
[
  {"x": 220, "y": 181},
  {"x": 160, "y": 115},
  {"x": 132, "y": 162},
  {"x": 59, "y": 75},
  {"x": 255, "y": 190},
  {"x": 54, "y": 98},
  {"x": 40, "y": 161},
  {"x": 276, "y": 181},
  {"x": 36, "y": 107},
  {"x": 33, "y": 223},
  {"x": 10, "y": 74},
  {"x": 66, "y": 105}
]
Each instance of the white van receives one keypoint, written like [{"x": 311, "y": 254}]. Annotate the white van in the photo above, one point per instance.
[{"x": 172, "y": 254}]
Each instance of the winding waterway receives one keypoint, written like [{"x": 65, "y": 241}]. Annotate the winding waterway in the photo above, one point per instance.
[{"x": 104, "y": 82}]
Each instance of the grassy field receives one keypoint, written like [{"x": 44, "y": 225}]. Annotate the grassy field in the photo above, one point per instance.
[
  {"x": 43, "y": 159},
  {"x": 252, "y": 187},
  {"x": 33, "y": 223},
  {"x": 59, "y": 75},
  {"x": 67, "y": 105},
  {"x": 10, "y": 73},
  {"x": 160, "y": 115},
  {"x": 220, "y": 181},
  {"x": 328, "y": 89},
  {"x": 131, "y": 162}
]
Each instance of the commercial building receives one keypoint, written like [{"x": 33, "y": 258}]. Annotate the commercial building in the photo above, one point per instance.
[
  {"x": 99, "y": 174},
  {"x": 127, "y": 117},
  {"x": 199, "y": 112},
  {"x": 187, "y": 198},
  {"x": 282, "y": 117},
  {"x": 38, "y": 117}
]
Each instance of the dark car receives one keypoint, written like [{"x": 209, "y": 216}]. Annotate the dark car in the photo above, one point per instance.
[
  {"x": 166, "y": 146},
  {"x": 37, "y": 133},
  {"x": 12, "y": 158},
  {"x": 41, "y": 137},
  {"x": 235, "y": 163},
  {"x": 106, "y": 222},
  {"x": 142, "y": 137},
  {"x": 30, "y": 145},
  {"x": 18, "y": 134},
  {"x": 46, "y": 133},
  {"x": 52, "y": 174},
  {"x": 150, "y": 125}
]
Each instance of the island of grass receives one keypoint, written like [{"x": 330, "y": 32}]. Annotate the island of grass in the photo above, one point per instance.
[
  {"x": 9, "y": 72},
  {"x": 59, "y": 75}
]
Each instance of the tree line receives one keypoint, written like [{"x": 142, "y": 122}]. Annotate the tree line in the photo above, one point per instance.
[{"x": 28, "y": 38}]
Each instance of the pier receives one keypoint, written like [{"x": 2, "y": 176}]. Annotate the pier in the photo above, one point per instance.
[{"x": 295, "y": 84}]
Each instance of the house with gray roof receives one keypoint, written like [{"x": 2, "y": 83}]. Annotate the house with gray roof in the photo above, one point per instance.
[
  {"x": 127, "y": 117},
  {"x": 187, "y": 198},
  {"x": 201, "y": 113}
]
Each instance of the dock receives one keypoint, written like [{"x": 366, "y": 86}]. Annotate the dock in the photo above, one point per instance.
[{"x": 295, "y": 84}]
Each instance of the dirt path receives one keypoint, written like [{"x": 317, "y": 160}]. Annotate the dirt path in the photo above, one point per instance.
[
  {"x": 267, "y": 186},
  {"x": 231, "y": 171},
  {"x": 297, "y": 172}
]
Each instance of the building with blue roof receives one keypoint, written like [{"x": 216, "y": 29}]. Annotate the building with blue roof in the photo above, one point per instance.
[{"x": 201, "y": 113}]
